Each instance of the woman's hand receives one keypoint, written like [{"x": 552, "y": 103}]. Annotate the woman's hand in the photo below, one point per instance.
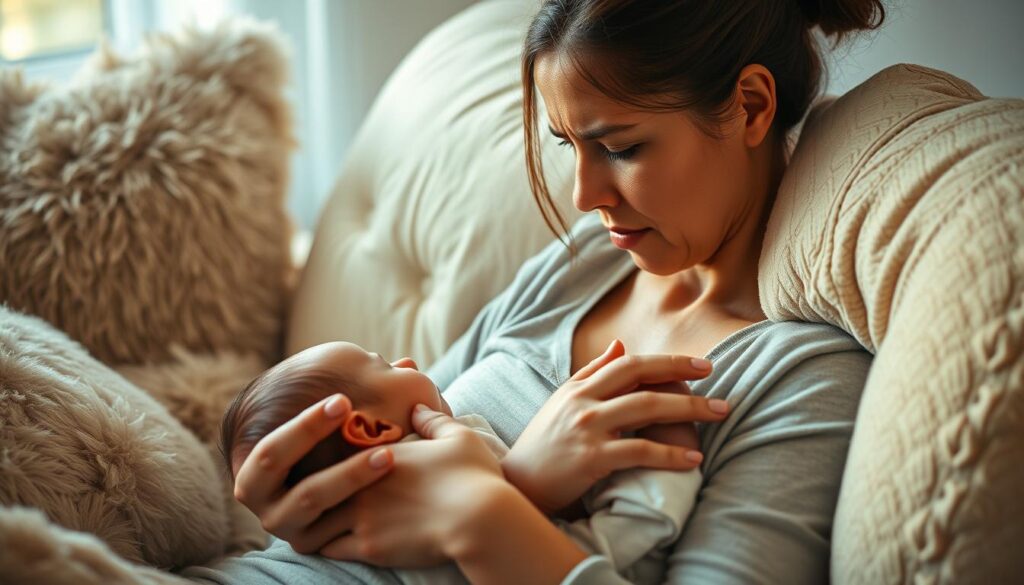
[
  {"x": 415, "y": 516},
  {"x": 574, "y": 440},
  {"x": 298, "y": 515}
]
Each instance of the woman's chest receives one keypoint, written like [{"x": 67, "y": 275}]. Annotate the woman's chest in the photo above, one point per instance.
[{"x": 623, "y": 313}]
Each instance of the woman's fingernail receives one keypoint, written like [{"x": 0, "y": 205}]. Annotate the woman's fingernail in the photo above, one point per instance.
[
  {"x": 379, "y": 459},
  {"x": 700, "y": 363},
  {"x": 335, "y": 406},
  {"x": 719, "y": 406},
  {"x": 421, "y": 408},
  {"x": 611, "y": 345},
  {"x": 695, "y": 456}
]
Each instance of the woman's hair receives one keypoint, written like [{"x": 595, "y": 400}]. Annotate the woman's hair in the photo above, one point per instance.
[
  {"x": 662, "y": 55},
  {"x": 278, "y": 395}
]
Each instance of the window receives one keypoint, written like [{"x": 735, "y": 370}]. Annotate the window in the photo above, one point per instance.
[{"x": 32, "y": 29}]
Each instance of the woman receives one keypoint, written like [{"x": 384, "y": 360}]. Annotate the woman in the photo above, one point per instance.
[{"x": 678, "y": 113}]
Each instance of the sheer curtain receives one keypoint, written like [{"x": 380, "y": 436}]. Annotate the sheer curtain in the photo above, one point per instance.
[{"x": 342, "y": 53}]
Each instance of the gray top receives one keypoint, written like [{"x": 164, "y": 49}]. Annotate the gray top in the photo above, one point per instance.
[{"x": 771, "y": 470}]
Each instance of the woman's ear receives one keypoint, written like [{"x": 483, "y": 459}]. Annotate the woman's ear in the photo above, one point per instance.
[
  {"x": 365, "y": 430},
  {"x": 756, "y": 96}
]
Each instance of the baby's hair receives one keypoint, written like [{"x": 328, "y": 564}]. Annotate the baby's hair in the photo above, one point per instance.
[{"x": 277, "y": 396}]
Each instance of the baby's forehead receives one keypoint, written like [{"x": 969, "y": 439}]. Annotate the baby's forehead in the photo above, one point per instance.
[{"x": 335, "y": 352}]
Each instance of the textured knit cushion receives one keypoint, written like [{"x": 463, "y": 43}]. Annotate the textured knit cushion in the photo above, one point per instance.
[
  {"x": 432, "y": 214},
  {"x": 143, "y": 204},
  {"x": 98, "y": 455},
  {"x": 901, "y": 220}
]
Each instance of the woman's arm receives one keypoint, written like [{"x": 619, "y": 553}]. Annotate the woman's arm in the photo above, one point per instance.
[
  {"x": 509, "y": 541},
  {"x": 765, "y": 513}
]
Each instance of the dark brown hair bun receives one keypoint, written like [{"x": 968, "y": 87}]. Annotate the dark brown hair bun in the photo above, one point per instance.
[{"x": 839, "y": 17}]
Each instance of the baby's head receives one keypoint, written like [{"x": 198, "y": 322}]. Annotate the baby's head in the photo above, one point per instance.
[{"x": 382, "y": 395}]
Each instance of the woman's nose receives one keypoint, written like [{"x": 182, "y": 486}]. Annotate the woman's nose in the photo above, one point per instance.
[{"x": 592, "y": 188}]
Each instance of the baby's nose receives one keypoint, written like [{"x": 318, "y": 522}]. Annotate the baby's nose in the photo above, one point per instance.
[{"x": 406, "y": 362}]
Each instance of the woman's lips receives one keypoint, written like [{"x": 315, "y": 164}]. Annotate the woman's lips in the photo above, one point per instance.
[{"x": 627, "y": 239}]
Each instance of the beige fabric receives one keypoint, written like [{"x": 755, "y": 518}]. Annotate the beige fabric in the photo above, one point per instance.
[
  {"x": 35, "y": 552},
  {"x": 143, "y": 205},
  {"x": 98, "y": 455},
  {"x": 432, "y": 214},
  {"x": 901, "y": 220},
  {"x": 196, "y": 388},
  {"x": 141, "y": 208}
]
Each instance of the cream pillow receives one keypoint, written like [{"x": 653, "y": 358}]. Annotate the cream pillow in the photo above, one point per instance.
[
  {"x": 432, "y": 214},
  {"x": 901, "y": 220},
  {"x": 142, "y": 205}
]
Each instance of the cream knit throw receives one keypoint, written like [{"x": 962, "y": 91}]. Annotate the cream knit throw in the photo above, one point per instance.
[{"x": 901, "y": 220}]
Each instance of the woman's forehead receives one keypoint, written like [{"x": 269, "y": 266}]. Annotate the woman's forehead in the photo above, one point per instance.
[{"x": 572, "y": 103}]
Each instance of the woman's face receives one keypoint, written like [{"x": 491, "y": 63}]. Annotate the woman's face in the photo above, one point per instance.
[{"x": 656, "y": 172}]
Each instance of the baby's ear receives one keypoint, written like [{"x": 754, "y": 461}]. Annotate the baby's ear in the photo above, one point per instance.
[{"x": 365, "y": 430}]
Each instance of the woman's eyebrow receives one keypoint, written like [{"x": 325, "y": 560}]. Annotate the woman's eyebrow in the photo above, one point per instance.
[{"x": 595, "y": 133}]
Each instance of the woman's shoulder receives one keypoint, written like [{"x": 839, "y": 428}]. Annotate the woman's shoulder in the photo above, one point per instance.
[
  {"x": 796, "y": 339},
  {"x": 783, "y": 359}
]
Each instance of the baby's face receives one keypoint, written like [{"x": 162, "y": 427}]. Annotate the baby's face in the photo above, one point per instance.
[{"x": 400, "y": 386}]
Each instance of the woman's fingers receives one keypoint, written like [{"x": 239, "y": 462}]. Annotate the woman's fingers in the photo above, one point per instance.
[
  {"x": 331, "y": 526},
  {"x": 626, "y": 373},
  {"x": 648, "y": 407},
  {"x": 343, "y": 548},
  {"x": 629, "y": 453},
  {"x": 615, "y": 350},
  {"x": 431, "y": 424},
  {"x": 263, "y": 472},
  {"x": 325, "y": 489}
]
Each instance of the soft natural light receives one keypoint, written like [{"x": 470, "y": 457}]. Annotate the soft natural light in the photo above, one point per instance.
[
  {"x": 199, "y": 12},
  {"x": 29, "y": 28}
]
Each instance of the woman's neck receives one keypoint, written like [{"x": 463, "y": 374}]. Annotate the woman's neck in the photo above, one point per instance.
[{"x": 727, "y": 282}]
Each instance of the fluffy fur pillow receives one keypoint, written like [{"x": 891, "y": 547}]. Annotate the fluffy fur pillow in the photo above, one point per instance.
[
  {"x": 98, "y": 455},
  {"x": 901, "y": 220},
  {"x": 143, "y": 205}
]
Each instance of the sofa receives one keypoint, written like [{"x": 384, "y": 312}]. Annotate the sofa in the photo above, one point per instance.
[{"x": 140, "y": 294}]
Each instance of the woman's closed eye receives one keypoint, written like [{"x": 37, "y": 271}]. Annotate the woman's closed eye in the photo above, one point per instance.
[{"x": 614, "y": 155}]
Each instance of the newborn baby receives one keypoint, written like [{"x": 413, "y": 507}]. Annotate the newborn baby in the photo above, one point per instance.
[
  {"x": 634, "y": 515},
  {"x": 382, "y": 397}
]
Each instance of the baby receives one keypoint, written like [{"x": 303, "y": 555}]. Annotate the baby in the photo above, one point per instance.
[
  {"x": 382, "y": 397},
  {"x": 634, "y": 515}
]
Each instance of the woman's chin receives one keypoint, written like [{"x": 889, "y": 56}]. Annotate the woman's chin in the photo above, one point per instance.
[{"x": 655, "y": 265}]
